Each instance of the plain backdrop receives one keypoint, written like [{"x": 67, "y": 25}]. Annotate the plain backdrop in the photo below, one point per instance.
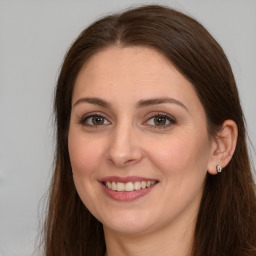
[{"x": 34, "y": 36}]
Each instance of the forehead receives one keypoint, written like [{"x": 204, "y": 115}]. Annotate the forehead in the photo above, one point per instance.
[
  {"x": 132, "y": 71},
  {"x": 133, "y": 61}
]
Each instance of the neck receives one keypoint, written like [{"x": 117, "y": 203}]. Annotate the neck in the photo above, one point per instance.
[{"x": 176, "y": 241}]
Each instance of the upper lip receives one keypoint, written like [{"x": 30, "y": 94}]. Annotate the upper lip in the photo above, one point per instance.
[{"x": 125, "y": 179}]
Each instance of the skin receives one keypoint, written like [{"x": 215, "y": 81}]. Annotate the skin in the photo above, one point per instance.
[{"x": 129, "y": 142}]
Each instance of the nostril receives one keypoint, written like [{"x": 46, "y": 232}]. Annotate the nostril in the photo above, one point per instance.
[
  {"x": 130, "y": 161},
  {"x": 123, "y": 154}
]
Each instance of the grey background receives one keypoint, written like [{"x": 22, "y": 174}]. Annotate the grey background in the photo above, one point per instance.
[{"x": 34, "y": 36}]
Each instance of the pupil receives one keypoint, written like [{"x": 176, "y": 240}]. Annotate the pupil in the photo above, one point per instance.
[
  {"x": 97, "y": 120},
  {"x": 160, "y": 120}
]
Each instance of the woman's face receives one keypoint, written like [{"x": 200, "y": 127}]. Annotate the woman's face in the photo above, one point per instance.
[{"x": 138, "y": 141}]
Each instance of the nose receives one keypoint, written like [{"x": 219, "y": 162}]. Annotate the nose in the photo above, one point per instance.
[{"x": 124, "y": 146}]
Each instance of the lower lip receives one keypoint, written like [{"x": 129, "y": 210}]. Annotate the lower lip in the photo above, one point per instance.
[{"x": 126, "y": 196}]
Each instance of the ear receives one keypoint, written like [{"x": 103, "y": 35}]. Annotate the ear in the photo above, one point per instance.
[{"x": 223, "y": 146}]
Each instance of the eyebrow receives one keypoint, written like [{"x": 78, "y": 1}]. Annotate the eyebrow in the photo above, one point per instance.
[
  {"x": 94, "y": 101},
  {"x": 157, "y": 101},
  {"x": 140, "y": 104}
]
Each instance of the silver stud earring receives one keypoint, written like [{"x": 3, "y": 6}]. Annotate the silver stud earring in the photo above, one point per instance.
[{"x": 218, "y": 168}]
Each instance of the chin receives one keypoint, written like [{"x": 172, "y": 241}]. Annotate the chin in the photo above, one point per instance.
[
  {"x": 128, "y": 225},
  {"x": 127, "y": 228}
]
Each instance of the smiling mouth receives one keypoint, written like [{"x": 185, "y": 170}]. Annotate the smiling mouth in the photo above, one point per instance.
[{"x": 128, "y": 186}]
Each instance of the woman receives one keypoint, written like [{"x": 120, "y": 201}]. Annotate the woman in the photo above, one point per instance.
[{"x": 148, "y": 115}]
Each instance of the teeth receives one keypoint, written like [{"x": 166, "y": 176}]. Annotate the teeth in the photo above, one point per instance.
[
  {"x": 137, "y": 185},
  {"x": 113, "y": 186},
  {"x": 119, "y": 186},
  {"x": 129, "y": 186},
  {"x": 109, "y": 185}
]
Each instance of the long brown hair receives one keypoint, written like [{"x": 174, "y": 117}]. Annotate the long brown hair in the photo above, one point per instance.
[{"x": 226, "y": 223}]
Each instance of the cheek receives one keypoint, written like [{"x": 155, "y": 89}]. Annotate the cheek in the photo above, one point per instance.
[
  {"x": 183, "y": 164},
  {"x": 84, "y": 152},
  {"x": 85, "y": 157},
  {"x": 183, "y": 154}
]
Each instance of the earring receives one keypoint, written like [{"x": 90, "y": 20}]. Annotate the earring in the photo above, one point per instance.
[{"x": 218, "y": 168}]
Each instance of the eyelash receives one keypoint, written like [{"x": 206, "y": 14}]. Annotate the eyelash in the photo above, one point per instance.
[
  {"x": 167, "y": 117},
  {"x": 85, "y": 119},
  {"x": 161, "y": 115}
]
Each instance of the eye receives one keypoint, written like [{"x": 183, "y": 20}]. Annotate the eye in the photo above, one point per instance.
[
  {"x": 161, "y": 120},
  {"x": 94, "y": 120}
]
